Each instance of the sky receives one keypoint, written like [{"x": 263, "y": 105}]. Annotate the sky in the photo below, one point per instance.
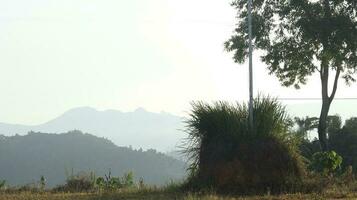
[{"x": 123, "y": 54}]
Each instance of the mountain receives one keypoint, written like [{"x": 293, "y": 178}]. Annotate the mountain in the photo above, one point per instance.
[
  {"x": 140, "y": 129},
  {"x": 24, "y": 159},
  {"x": 147, "y": 130}
]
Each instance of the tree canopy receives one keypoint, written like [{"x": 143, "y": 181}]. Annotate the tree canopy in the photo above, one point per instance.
[{"x": 298, "y": 38}]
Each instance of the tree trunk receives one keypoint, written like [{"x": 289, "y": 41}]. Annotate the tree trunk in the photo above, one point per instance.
[
  {"x": 322, "y": 128},
  {"x": 326, "y": 103},
  {"x": 324, "y": 75}
]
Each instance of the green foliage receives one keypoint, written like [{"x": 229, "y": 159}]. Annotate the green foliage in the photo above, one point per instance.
[
  {"x": 88, "y": 182},
  {"x": 334, "y": 124},
  {"x": 42, "y": 182},
  {"x": 298, "y": 38},
  {"x": 128, "y": 179},
  {"x": 305, "y": 125},
  {"x": 33, "y": 156},
  {"x": 100, "y": 182},
  {"x": 293, "y": 34},
  {"x": 351, "y": 125},
  {"x": 326, "y": 163},
  {"x": 2, "y": 184},
  {"x": 342, "y": 140},
  {"x": 114, "y": 183},
  {"x": 226, "y": 154}
]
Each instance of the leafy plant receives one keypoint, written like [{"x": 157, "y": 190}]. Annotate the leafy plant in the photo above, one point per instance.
[
  {"x": 128, "y": 179},
  {"x": 113, "y": 183},
  {"x": 326, "y": 163},
  {"x": 100, "y": 182},
  {"x": 42, "y": 182}
]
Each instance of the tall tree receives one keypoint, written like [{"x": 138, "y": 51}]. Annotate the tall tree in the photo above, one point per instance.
[{"x": 298, "y": 38}]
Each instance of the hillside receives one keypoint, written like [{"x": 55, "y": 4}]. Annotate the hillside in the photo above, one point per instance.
[
  {"x": 140, "y": 128},
  {"x": 23, "y": 159}
]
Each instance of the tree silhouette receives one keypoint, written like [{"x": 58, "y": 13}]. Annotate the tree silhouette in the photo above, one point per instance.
[
  {"x": 305, "y": 125},
  {"x": 299, "y": 38}
]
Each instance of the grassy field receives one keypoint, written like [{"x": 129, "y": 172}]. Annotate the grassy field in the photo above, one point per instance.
[{"x": 161, "y": 195}]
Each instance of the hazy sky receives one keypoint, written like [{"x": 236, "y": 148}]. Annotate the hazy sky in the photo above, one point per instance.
[{"x": 122, "y": 54}]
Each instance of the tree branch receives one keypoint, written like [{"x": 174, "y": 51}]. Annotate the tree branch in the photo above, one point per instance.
[
  {"x": 334, "y": 89},
  {"x": 324, "y": 75},
  {"x": 327, "y": 8}
]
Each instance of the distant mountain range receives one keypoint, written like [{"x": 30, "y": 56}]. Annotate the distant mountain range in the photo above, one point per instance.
[
  {"x": 139, "y": 129},
  {"x": 142, "y": 129},
  {"x": 24, "y": 159}
]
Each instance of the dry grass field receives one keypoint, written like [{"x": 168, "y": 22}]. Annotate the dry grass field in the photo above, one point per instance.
[{"x": 162, "y": 195}]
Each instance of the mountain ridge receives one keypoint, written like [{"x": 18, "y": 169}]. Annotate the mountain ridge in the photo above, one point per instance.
[{"x": 140, "y": 128}]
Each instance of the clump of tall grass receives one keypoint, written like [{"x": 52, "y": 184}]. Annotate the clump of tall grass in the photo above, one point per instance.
[
  {"x": 228, "y": 155},
  {"x": 82, "y": 182}
]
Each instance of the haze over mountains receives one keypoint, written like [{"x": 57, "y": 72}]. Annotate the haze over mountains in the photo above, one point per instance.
[
  {"x": 139, "y": 129},
  {"x": 143, "y": 129}
]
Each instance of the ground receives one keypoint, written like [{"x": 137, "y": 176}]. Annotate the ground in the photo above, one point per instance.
[{"x": 157, "y": 195}]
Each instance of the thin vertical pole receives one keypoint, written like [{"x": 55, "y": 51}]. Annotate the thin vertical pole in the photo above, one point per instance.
[{"x": 251, "y": 119}]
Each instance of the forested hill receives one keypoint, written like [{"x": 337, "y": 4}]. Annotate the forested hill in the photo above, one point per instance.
[{"x": 24, "y": 159}]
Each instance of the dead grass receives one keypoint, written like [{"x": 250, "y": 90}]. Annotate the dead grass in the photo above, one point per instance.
[{"x": 162, "y": 195}]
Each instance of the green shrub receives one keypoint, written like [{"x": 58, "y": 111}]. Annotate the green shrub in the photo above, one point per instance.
[
  {"x": 2, "y": 184},
  {"x": 128, "y": 179},
  {"x": 100, "y": 182},
  {"x": 42, "y": 183},
  {"x": 227, "y": 155},
  {"x": 113, "y": 183},
  {"x": 326, "y": 163}
]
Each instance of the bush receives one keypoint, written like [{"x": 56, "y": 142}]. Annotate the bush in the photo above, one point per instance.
[
  {"x": 326, "y": 163},
  {"x": 229, "y": 156},
  {"x": 42, "y": 183},
  {"x": 82, "y": 182},
  {"x": 2, "y": 184},
  {"x": 128, "y": 179},
  {"x": 113, "y": 183}
]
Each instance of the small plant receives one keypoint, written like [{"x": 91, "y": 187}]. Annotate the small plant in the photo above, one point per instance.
[
  {"x": 42, "y": 182},
  {"x": 141, "y": 183},
  {"x": 100, "y": 182},
  {"x": 2, "y": 184},
  {"x": 326, "y": 163},
  {"x": 128, "y": 179},
  {"x": 113, "y": 183}
]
